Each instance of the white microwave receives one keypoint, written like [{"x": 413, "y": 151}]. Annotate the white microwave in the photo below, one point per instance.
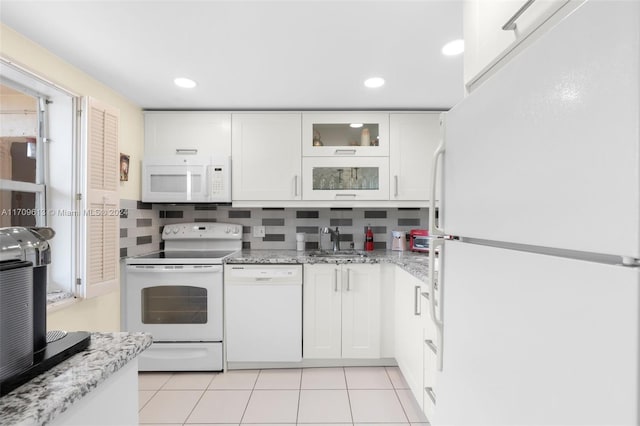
[{"x": 186, "y": 180}]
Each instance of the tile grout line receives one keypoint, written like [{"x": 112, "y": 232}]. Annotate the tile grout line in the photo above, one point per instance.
[
  {"x": 204, "y": 391},
  {"x": 346, "y": 385},
  {"x": 155, "y": 392},
  {"x": 299, "y": 396},
  {"x": 395, "y": 391},
  {"x": 250, "y": 395}
]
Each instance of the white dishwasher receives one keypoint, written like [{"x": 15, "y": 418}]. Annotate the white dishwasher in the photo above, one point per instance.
[{"x": 263, "y": 312}]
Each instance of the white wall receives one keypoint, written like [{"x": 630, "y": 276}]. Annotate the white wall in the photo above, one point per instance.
[{"x": 102, "y": 313}]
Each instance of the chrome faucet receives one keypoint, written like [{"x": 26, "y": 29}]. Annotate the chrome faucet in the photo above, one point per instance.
[{"x": 335, "y": 236}]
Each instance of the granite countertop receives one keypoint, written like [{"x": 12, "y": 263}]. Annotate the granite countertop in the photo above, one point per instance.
[
  {"x": 40, "y": 400},
  {"x": 57, "y": 296},
  {"x": 417, "y": 264}
]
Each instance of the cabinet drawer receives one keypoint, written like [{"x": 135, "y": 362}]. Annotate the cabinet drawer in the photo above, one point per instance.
[{"x": 430, "y": 364}]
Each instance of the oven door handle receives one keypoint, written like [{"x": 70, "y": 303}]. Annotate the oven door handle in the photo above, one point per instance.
[{"x": 169, "y": 269}]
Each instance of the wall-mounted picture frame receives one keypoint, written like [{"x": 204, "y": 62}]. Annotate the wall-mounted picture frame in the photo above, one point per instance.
[{"x": 124, "y": 167}]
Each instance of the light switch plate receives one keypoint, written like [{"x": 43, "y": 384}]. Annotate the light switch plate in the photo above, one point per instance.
[{"x": 259, "y": 231}]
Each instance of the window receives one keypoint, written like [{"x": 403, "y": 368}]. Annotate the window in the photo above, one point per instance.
[
  {"x": 39, "y": 165},
  {"x": 59, "y": 167},
  {"x": 22, "y": 185}
]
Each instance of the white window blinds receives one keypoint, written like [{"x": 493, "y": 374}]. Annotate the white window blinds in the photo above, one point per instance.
[{"x": 101, "y": 199}]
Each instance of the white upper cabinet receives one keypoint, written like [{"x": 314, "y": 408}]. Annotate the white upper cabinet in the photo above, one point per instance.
[
  {"x": 414, "y": 138},
  {"x": 494, "y": 28},
  {"x": 266, "y": 157},
  {"x": 345, "y": 179},
  {"x": 174, "y": 133},
  {"x": 345, "y": 134}
]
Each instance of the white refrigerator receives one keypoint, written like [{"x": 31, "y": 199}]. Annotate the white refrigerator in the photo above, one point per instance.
[{"x": 540, "y": 290}]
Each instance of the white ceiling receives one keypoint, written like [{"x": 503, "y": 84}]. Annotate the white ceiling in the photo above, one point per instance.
[{"x": 296, "y": 54}]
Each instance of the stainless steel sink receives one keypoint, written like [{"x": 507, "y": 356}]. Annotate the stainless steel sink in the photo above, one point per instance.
[{"x": 339, "y": 253}]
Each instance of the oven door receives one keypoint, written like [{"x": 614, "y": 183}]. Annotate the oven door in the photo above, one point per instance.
[{"x": 175, "y": 303}]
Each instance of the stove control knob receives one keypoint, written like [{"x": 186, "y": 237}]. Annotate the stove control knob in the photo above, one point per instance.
[
  {"x": 167, "y": 230},
  {"x": 175, "y": 230},
  {"x": 227, "y": 230},
  {"x": 236, "y": 230}
]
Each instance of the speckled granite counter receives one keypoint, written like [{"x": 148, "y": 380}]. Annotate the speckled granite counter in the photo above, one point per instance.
[
  {"x": 417, "y": 264},
  {"x": 39, "y": 401},
  {"x": 58, "y": 296}
]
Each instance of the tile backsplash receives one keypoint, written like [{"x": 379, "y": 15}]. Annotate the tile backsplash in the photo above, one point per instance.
[{"x": 141, "y": 224}]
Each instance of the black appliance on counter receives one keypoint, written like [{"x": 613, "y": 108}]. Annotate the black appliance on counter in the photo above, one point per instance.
[{"x": 26, "y": 348}]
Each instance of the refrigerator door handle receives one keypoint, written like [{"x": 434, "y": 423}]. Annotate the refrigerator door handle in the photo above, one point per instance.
[
  {"x": 436, "y": 243},
  {"x": 435, "y": 229},
  {"x": 510, "y": 25}
]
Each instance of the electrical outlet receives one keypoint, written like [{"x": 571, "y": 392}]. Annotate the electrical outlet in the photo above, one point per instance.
[{"x": 259, "y": 231}]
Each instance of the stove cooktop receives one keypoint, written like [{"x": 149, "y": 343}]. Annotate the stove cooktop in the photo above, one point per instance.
[{"x": 181, "y": 256}]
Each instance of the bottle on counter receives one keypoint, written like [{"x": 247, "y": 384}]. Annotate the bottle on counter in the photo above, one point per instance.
[
  {"x": 365, "y": 137},
  {"x": 368, "y": 239}
]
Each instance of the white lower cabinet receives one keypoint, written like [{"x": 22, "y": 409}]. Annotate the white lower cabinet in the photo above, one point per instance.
[
  {"x": 409, "y": 335},
  {"x": 341, "y": 311},
  {"x": 430, "y": 362}
]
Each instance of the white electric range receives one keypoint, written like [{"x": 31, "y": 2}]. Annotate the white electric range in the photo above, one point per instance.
[{"x": 177, "y": 295}]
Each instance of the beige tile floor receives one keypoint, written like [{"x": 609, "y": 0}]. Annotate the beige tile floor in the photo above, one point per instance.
[{"x": 359, "y": 396}]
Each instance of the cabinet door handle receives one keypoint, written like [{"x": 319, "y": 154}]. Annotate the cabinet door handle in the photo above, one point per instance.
[
  {"x": 510, "y": 25},
  {"x": 185, "y": 151},
  {"x": 346, "y": 195},
  {"x": 416, "y": 300},
  {"x": 432, "y": 395},
  {"x": 345, "y": 152},
  {"x": 396, "y": 185},
  {"x": 348, "y": 279},
  {"x": 431, "y": 346},
  {"x": 295, "y": 185},
  {"x": 335, "y": 280}
]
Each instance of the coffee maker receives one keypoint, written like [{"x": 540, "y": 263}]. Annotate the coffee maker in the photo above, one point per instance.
[{"x": 26, "y": 348}]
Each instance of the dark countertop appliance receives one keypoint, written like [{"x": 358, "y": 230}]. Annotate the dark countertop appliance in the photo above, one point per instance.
[{"x": 26, "y": 349}]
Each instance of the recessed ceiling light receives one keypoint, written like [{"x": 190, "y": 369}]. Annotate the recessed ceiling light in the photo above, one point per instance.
[
  {"x": 355, "y": 125},
  {"x": 374, "y": 82},
  {"x": 186, "y": 83},
  {"x": 454, "y": 47}
]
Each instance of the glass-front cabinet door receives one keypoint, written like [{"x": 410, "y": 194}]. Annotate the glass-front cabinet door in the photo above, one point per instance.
[
  {"x": 345, "y": 179},
  {"x": 345, "y": 134}
]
